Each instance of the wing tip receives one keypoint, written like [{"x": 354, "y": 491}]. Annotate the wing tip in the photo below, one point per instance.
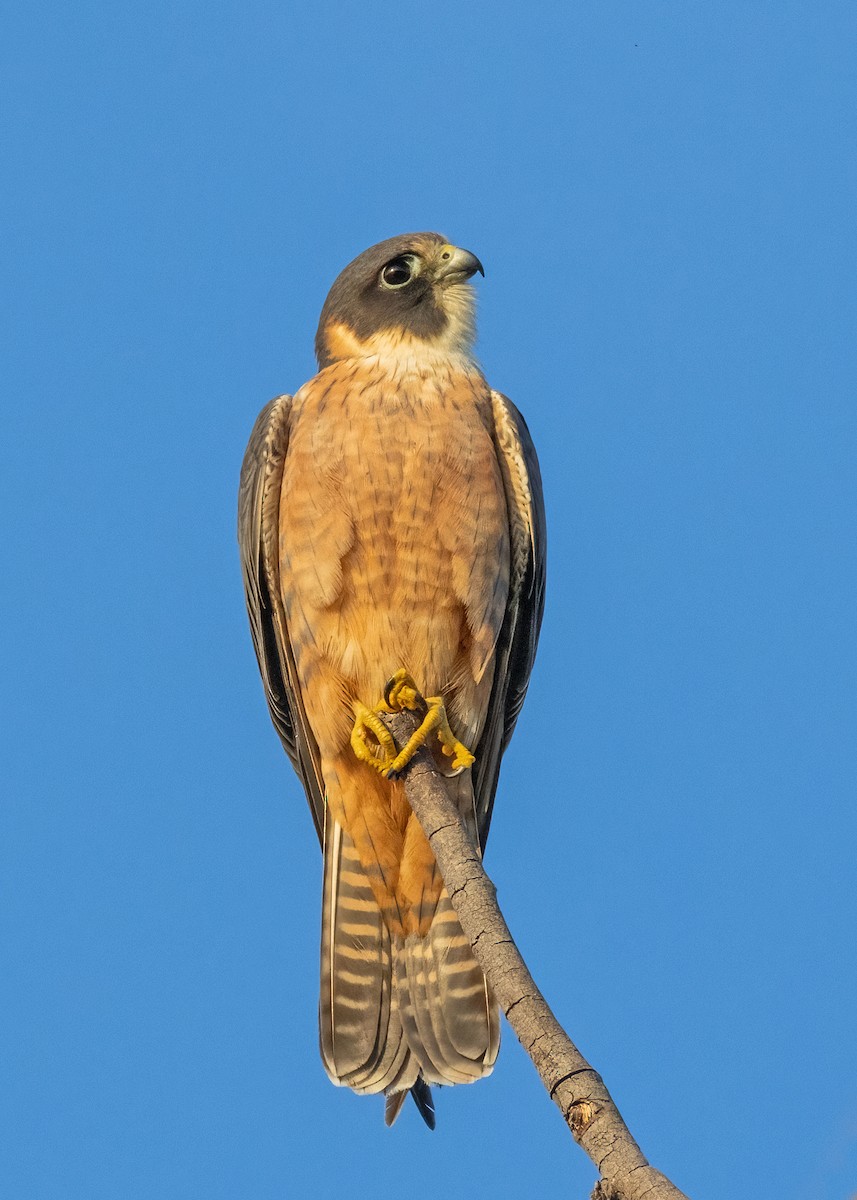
[{"x": 421, "y": 1095}]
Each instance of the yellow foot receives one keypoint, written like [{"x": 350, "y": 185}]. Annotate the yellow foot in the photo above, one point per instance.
[
  {"x": 378, "y": 752},
  {"x": 400, "y": 694},
  {"x": 449, "y": 743}
]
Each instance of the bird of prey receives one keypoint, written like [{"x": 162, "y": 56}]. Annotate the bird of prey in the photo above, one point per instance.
[{"x": 392, "y": 538}]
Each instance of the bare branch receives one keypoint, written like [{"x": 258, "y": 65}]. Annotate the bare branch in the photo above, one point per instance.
[{"x": 574, "y": 1086}]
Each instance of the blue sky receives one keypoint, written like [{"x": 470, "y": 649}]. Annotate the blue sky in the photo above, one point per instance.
[{"x": 663, "y": 195}]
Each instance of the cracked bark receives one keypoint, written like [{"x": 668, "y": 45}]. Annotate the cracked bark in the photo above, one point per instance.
[{"x": 574, "y": 1086}]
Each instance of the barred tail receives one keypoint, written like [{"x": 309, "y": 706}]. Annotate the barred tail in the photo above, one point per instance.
[
  {"x": 397, "y": 1013},
  {"x": 362, "y": 1041}
]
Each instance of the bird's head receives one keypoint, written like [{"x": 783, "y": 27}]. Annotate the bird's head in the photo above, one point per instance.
[{"x": 409, "y": 294}]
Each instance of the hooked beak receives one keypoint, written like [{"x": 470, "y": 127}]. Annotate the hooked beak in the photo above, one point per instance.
[{"x": 456, "y": 265}]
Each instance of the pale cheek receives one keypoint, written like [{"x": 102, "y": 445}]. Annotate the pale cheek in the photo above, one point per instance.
[{"x": 459, "y": 304}]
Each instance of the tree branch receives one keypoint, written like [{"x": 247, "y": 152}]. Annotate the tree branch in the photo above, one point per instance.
[{"x": 574, "y": 1086}]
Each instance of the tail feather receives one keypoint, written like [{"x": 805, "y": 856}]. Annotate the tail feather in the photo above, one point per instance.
[
  {"x": 405, "y": 1005},
  {"x": 397, "y": 1013},
  {"x": 462, "y": 997},
  {"x": 411, "y": 955},
  {"x": 355, "y": 963},
  {"x": 445, "y": 1063}
]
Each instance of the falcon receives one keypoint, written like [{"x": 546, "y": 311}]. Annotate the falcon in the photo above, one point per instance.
[{"x": 392, "y": 538}]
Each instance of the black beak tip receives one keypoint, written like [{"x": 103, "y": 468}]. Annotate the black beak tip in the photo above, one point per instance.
[{"x": 475, "y": 264}]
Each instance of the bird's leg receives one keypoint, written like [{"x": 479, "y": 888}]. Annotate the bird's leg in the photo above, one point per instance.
[{"x": 401, "y": 694}]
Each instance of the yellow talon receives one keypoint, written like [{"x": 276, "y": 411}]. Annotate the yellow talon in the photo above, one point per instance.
[
  {"x": 365, "y": 719},
  {"x": 418, "y": 738},
  {"x": 400, "y": 694},
  {"x": 450, "y": 745}
]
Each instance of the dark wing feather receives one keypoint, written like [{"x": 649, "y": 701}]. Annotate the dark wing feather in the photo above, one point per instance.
[
  {"x": 258, "y": 541},
  {"x": 519, "y": 635}
]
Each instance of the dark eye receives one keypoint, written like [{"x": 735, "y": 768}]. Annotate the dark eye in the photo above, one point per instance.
[{"x": 399, "y": 271}]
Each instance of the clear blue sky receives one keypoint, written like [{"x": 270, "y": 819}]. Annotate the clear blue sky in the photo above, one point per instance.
[{"x": 663, "y": 195}]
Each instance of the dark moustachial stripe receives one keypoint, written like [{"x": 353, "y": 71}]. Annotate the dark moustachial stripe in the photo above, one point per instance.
[{"x": 358, "y": 301}]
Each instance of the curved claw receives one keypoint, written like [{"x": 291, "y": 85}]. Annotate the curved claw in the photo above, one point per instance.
[{"x": 401, "y": 693}]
